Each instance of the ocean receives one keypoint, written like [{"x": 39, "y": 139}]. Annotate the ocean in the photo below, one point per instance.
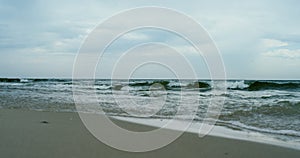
[{"x": 270, "y": 107}]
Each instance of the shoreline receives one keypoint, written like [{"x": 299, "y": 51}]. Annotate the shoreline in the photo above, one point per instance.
[
  {"x": 50, "y": 134},
  {"x": 218, "y": 131}
]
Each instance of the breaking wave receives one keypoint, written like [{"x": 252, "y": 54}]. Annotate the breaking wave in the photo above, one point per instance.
[{"x": 264, "y": 85}]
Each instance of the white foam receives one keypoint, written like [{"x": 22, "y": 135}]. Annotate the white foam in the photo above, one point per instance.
[{"x": 238, "y": 85}]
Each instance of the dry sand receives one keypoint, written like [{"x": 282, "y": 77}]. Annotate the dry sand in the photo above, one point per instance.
[{"x": 30, "y": 134}]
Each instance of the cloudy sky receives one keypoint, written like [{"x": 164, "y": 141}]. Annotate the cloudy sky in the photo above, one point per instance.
[{"x": 257, "y": 39}]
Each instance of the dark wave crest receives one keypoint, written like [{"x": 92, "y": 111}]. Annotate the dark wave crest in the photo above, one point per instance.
[
  {"x": 265, "y": 85},
  {"x": 260, "y": 85},
  {"x": 49, "y": 80},
  {"x": 167, "y": 85},
  {"x": 149, "y": 83},
  {"x": 198, "y": 85},
  {"x": 10, "y": 80}
]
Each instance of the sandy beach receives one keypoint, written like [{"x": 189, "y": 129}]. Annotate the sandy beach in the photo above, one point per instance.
[
  {"x": 49, "y": 134},
  {"x": 149, "y": 79}
]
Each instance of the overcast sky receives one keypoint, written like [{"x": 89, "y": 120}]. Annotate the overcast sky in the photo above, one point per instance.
[{"x": 257, "y": 39}]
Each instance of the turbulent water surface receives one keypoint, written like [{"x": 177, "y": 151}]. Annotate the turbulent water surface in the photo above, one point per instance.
[{"x": 270, "y": 107}]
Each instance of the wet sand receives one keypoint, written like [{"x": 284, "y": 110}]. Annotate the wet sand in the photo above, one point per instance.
[{"x": 48, "y": 134}]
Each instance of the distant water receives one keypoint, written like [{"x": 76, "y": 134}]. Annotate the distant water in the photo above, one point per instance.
[{"x": 271, "y": 107}]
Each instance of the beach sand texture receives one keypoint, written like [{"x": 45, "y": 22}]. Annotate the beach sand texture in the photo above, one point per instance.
[{"x": 48, "y": 134}]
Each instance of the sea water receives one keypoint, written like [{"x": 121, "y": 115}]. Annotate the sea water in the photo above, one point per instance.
[{"x": 270, "y": 107}]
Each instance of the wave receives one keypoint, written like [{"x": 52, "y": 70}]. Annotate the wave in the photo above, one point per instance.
[
  {"x": 277, "y": 96},
  {"x": 260, "y": 85},
  {"x": 278, "y": 116},
  {"x": 283, "y": 107},
  {"x": 170, "y": 85},
  {"x": 264, "y": 85},
  {"x": 246, "y": 85},
  {"x": 149, "y": 83},
  {"x": 199, "y": 85},
  {"x": 10, "y": 80},
  {"x": 238, "y": 85},
  {"x": 138, "y": 85},
  {"x": 49, "y": 80},
  {"x": 24, "y": 80}
]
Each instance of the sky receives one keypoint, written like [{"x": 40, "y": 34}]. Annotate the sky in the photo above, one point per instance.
[{"x": 258, "y": 39}]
